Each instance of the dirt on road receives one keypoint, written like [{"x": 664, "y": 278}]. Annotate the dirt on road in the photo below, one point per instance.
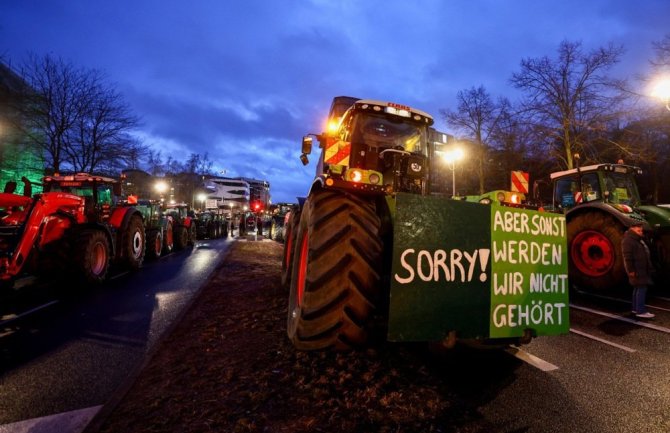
[{"x": 229, "y": 367}]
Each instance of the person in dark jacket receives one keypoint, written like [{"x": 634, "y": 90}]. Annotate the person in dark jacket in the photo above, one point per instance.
[{"x": 638, "y": 266}]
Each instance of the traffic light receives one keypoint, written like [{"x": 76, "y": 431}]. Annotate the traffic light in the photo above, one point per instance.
[{"x": 257, "y": 206}]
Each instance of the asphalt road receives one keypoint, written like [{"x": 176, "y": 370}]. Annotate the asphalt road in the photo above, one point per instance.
[
  {"x": 611, "y": 373},
  {"x": 73, "y": 353}
]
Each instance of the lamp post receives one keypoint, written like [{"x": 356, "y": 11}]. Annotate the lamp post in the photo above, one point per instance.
[
  {"x": 450, "y": 157},
  {"x": 202, "y": 197},
  {"x": 161, "y": 187},
  {"x": 661, "y": 91}
]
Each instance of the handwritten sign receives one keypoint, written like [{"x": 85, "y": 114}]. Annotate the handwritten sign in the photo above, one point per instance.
[{"x": 484, "y": 271}]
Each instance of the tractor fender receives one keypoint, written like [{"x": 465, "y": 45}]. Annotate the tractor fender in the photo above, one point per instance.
[
  {"x": 121, "y": 215},
  {"x": 656, "y": 216},
  {"x": 624, "y": 219},
  {"x": 318, "y": 184}
]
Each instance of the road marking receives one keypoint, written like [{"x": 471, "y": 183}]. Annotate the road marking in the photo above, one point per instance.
[
  {"x": 602, "y": 340},
  {"x": 12, "y": 317},
  {"x": 612, "y": 298},
  {"x": 67, "y": 422},
  {"x": 623, "y": 319},
  {"x": 530, "y": 359}
]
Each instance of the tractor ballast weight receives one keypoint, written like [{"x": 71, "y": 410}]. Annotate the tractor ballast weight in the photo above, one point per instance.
[
  {"x": 600, "y": 202},
  {"x": 74, "y": 224},
  {"x": 370, "y": 242}
]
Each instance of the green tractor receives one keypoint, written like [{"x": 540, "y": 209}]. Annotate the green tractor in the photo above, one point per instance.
[
  {"x": 600, "y": 202},
  {"x": 157, "y": 225},
  {"x": 374, "y": 249}
]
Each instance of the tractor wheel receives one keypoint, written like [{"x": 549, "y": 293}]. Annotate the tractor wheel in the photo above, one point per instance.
[
  {"x": 192, "y": 235},
  {"x": 594, "y": 250},
  {"x": 168, "y": 239},
  {"x": 290, "y": 232},
  {"x": 90, "y": 260},
  {"x": 335, "y": 285},
  {"x": 154, "y": 244},
  {"x": 211, "y": 231},
  {"x": 180, "y": 237},
  {"x": 133, "y": 243}
]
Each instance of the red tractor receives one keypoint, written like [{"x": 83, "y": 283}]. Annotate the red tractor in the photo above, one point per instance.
[
  {"x": 184, "y": 225},
  {"x": 74, "y": 227}
]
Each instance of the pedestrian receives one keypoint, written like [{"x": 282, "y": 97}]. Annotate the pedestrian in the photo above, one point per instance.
[{"x": 638, "y": 266}]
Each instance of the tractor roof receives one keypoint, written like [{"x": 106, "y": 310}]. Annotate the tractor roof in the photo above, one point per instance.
[
  {"x": 617, "y": 168},
  {"x": 79, "y": 177}
]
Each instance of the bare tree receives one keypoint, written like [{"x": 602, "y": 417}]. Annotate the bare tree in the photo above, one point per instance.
[
  {"x": 54, "y": 107},
  {"x": 571, "y": 99},
  {"x": 662, "y": 53},
  {"x": 101, "y": 137},
  {"x": 155, "y": 162},
  {"x": 475, "y": 118},
  {"x": 78, "y": 121}
]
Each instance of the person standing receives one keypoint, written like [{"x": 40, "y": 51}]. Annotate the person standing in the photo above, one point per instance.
[{"x": 638, "y": 266}]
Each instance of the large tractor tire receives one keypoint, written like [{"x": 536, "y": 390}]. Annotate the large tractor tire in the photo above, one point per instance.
[
  {"x": 335, "y": 285},
  {"x": 154, "y": 244},
  {"x": 594, "y": 250},
  {"x": 290, "y": 232},
  {"x": 192, "y": 234},
  {"x": 90, "y": 260},
  {"x": 168, "y": 239},
  {"x": 181, "y": 235},
  {"x": 212, "y": 230},
  {"x": 133, "y": 243}
]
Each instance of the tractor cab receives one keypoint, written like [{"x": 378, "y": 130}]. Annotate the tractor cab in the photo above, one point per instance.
[
  {"x": 100, "y": 193},
  {"x": 377, "y": 147},
  {"x": 606, "y": 183}
]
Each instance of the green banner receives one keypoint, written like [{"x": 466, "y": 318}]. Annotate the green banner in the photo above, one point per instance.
[{"x": 484, "y": 271}]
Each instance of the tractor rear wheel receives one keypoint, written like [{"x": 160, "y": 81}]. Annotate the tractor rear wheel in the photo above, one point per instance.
[
  {"x": 154, "y": 244},
  {"x": 168, "y": 239},
  {"x": 290, "y": 232},
  {"x": 335, "y": 285},
  {"x": 91, "y": 256},
  {"x": 192, "y": 234},
  {"x": 180, "y": 237},
  {"x": 134, "y": 243},
  {"x": 594, "y": 250}
]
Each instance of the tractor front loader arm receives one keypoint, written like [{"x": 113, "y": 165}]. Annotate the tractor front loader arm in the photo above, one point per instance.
[{"x": 32, "y": 223}]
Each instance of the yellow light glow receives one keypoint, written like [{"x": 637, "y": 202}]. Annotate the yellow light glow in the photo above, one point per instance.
[
  {"x": 332, "y": 126},
  {"x": 453, "y": 155},
  {"x": 661, "y": 89}
]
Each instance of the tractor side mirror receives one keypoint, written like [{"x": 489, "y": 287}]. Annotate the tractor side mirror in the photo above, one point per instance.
[
  {"x": 306, "y": 149},
  {"x": 307, "y": 145}
]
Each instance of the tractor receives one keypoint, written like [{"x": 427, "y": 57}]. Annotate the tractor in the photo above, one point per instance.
[
  {"x": 74, "y": 224},
  {"x": 211, "y": 224},
  {"x": 373, "y": 249},
  {"x": 183, "y": 224},
  {"x": 157, "y": 225},
  {"x": 278, "y": 212},
  {"x": 600, "y": 202}
]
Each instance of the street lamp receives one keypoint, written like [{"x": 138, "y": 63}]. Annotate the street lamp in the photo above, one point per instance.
[
  {"x": 202, "y": 197},
  {"x": 161, "y": 187},
  {"x": 661, "y": 91},
  {"x": 450, "y": 157}
]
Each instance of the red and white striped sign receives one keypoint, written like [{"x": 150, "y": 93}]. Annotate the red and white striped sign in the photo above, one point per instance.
[{"x": 520, "y": 182}]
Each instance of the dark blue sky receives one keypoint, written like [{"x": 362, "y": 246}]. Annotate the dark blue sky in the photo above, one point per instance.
[{"x": 244, "y": 80}]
